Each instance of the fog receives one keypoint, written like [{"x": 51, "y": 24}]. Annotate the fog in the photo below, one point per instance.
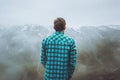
[{"x": 98, "y": 49}]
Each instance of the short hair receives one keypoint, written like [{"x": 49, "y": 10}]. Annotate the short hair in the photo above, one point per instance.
[{"x": 59, "y": 24}]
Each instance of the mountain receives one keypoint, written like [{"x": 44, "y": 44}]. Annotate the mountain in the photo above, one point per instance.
[{"x": 98, "y": 50}]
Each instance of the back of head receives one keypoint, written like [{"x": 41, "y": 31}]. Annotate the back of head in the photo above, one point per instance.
[{"x": 59, "y": 24}]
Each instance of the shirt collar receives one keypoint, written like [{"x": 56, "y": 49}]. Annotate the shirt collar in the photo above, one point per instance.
[{"x": 58, "y": 32}]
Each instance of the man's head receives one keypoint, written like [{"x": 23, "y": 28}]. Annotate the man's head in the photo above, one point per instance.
[{"x": 59, "y": 24}]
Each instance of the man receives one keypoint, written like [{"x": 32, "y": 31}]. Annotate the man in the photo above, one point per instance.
[{"x": 58, "y": 53}]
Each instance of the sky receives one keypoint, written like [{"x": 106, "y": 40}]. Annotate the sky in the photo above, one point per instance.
[{"x": 75, "y": 12}]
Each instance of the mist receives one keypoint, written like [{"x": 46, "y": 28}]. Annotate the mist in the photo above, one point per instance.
[{"x": 98, "y": 52}]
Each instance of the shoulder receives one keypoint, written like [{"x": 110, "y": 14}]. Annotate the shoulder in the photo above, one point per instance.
[
  {"x": 47, "y": 38},
  {"x": 69, "y": 39},
  {"x": 43, "y": 41}
]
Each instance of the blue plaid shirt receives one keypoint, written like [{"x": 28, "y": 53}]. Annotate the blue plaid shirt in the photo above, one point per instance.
[{"x": 58, "y": 56}]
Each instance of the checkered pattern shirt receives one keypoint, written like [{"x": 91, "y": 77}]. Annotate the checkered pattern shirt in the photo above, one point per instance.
[{"x": 58, "y": 56}]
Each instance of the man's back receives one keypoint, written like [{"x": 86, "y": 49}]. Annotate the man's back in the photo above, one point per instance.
[{"x": 58, "y": 54}]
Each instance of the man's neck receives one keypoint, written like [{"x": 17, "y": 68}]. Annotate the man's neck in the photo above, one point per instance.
[{"x": 62, "y": 32}]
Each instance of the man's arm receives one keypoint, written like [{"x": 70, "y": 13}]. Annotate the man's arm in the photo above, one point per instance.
[
  {"x": 73, "y": 53},
  {"x": 43, "y": 53}
]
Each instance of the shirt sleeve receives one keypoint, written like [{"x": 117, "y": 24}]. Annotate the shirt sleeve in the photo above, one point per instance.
[
  {"x": 43, "y": 53},
  {"x": 72, "y": 63}
]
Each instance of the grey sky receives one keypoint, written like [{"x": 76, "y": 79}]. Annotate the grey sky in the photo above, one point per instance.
[{"x": 76, "y": 12}]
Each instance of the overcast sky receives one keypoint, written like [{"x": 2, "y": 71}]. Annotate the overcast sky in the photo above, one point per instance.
[{"x": 76, "y": 12}]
